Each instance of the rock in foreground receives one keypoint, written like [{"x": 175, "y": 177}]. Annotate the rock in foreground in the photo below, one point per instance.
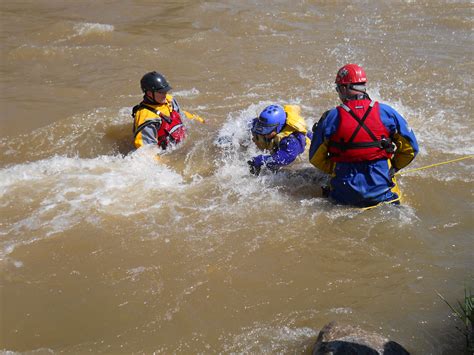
[{"x": 335, "y": 339}]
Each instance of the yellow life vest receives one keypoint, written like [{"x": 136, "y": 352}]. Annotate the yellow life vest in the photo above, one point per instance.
[{"x": 294, "y": 123}]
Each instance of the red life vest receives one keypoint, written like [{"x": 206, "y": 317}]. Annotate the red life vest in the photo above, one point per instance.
[
  {"x": 171, "y": 128},
  {"x": 361, "y": 135}
]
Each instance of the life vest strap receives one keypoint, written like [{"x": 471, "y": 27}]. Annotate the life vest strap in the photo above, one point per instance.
[
  {"x": 360, "y": 121},
  {"x": 384, "y": 143},
  {"x": 169, "y": 134},
  {"x": 175, "y": 128},
  {"x": 142, "y": 105},
  {"x": 147, "y": 123},
  {"x": 156, "y": 121}
]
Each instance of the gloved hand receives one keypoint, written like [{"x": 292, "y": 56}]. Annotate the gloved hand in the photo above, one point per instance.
[{"x": 254, "y": 169}]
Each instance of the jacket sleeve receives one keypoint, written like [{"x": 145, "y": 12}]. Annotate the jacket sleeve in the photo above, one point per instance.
[
  {"x": 148, "y": 132},
  {"x": 146, "y": 136},
  {"x": 288, "y": 150},
  {"x": 318, "y": 150},
  {"x": 402, "y": 136}
]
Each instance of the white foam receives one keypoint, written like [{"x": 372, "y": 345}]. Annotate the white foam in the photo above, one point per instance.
[
  {"x": 341, "y": 310},
  {"x": 134, "y": 274},
  {"x": 62, "y": 192},
  {"x": 234, "y": 139},
  {"x": 87, "y": 28},
  {"x": 437, "y": 131},
  {"x": 263, "y": 339},
  {"x": 292, "y": 185},
  {"x": 40, "y": 351},
  {"x": 187, "y": 93}
]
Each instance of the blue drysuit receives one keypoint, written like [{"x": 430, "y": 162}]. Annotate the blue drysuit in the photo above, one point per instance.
[{"x": 363, "y": 183}]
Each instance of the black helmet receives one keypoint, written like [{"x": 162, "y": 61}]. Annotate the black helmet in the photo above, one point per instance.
[{"x": 154, "y": 81}]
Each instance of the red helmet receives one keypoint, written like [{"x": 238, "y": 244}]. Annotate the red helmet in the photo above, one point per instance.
[{"x": 351, "y": 74}]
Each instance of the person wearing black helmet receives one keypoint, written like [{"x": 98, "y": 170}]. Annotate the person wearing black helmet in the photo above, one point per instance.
[{"x": 157, "y": 119}]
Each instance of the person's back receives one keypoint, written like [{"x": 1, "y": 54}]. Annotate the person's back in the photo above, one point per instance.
[{"x": 362, "y": 143}]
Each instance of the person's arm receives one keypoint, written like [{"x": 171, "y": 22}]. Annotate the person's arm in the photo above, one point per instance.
[
  {"x": 147, "y": 129},
  {"x": 402, "y": 136},
  {"x": 288, "y": 150},
  {"x": 319, "y": 148},
  {"x": 146, "y": 136}
]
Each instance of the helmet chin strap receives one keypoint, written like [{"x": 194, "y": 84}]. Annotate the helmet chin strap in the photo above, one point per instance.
[{"x": 149, "y": 100}]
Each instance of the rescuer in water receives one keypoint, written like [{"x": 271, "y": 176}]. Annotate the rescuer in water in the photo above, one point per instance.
[
  {"x": 158, "y": 118},
  {"x": 362, "y": 144},
  {"x": 281, "y": 131}
]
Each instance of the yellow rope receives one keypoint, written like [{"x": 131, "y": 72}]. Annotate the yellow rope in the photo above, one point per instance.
[
  {"x": 433, "y": 165},
  {"x": 409, "y": 171}
]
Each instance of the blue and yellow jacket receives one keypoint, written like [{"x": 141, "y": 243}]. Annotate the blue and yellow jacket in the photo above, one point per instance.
[
  {"x": 286, "y": 145},
  {"x": 363, "y": 183}
]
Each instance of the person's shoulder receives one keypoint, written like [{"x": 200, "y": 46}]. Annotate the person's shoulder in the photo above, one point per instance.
[
  {"x": 291, "y": 140},
  {"x": 138, "y": 109},
  {"x": 383, "y": 107},
  {"x": 135, "y": 109},
  {"x": 146, "y": 111},
  {"x": 327, "y": 117},
  {"x": 295, "y": 136},
  {"x": 332, "y": 113}
]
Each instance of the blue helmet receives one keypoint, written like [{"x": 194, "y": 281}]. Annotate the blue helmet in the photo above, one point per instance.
[{"x": 272, "y": 118}]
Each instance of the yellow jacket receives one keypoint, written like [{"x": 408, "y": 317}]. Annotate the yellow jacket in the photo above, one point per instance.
[{"x": 147, "y": 134}]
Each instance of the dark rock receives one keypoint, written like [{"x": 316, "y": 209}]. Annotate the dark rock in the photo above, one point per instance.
[{"x": 335, "y": 339}]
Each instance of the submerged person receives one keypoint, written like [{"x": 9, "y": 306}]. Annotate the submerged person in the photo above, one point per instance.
[
  {"x": 157, "y": 119},
  {"x": 362, "y": 144},
  {"x": 281, "y": 131}
]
